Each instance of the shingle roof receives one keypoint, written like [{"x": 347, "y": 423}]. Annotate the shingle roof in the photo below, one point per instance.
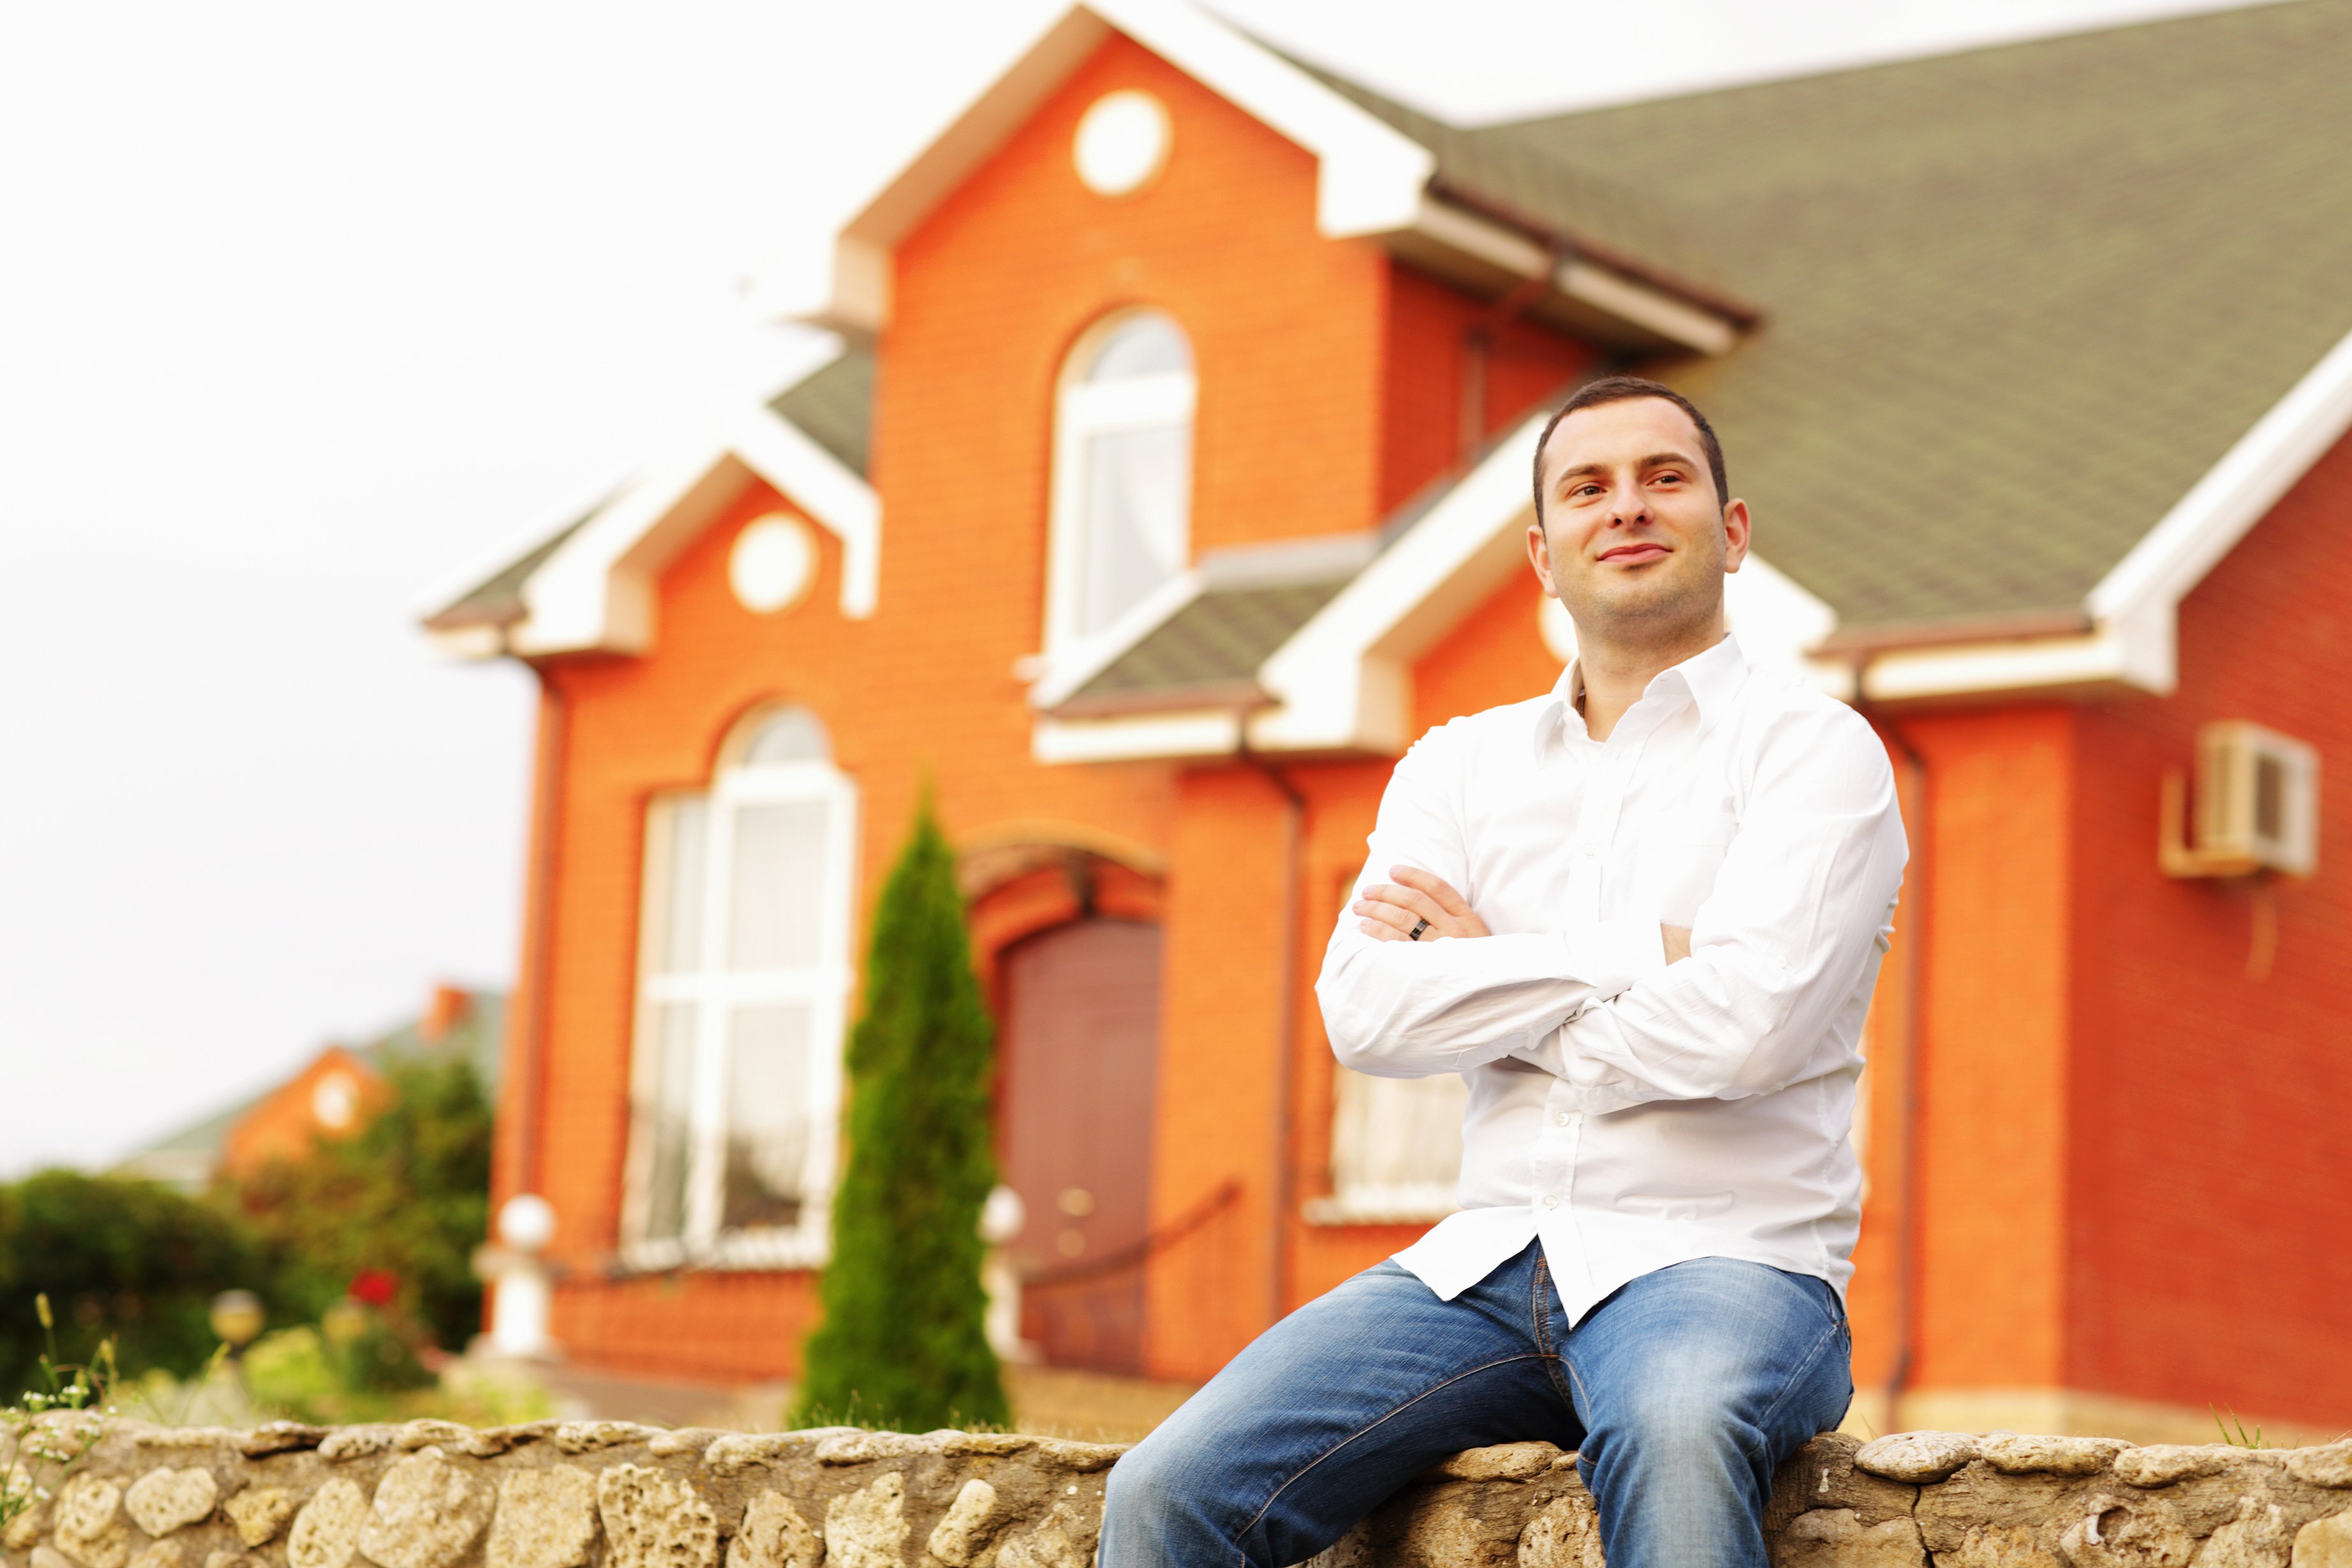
[
  {"x": 1205, "y": 654},
  {"x": 834, "y": 406},
  {"x": 2018, "y": 300}
]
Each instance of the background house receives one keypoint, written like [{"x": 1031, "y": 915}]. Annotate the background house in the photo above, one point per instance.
[
  {"x": 1170, "y": 480},
  {"x": 330, "y": 1096}
]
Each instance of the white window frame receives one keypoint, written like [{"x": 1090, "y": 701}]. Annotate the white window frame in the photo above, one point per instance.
[
  {"x": 1082, "y": 411},
  {"x": 1360, "y": 1098},
  {"x": 716, "y": 991}
]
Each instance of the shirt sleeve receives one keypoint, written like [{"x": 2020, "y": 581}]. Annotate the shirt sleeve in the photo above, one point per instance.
[
  {"x": 1414, "y": 1009},
  {"x": 1797, "y": 914}
]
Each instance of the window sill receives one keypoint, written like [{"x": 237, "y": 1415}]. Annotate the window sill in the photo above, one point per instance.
[
  {"x": 1414, "y": 1204},
  {"x": 732, "y": 1252}
]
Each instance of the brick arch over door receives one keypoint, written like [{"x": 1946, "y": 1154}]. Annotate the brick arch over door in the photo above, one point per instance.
[{"x": 1078, "y": 1053}]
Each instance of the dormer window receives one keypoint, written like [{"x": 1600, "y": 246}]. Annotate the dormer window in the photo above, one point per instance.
[{"x": 1123, "y": 473}]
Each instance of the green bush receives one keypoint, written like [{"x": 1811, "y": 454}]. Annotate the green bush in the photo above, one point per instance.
[
  {"x": 118, "y": 1258},
  {"x": 407, "y": 1195},
  {"x": 903, "y": 1343}
]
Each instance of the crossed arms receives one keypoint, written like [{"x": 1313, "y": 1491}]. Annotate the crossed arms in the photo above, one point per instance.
[{"x": 1620, "y": 1007}]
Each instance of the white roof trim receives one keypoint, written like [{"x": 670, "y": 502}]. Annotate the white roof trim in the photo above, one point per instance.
[
  {"x": 2139, "y": 599},
  {"x": 596, "y": 592},
  {"x": 1370, "y": 177}
]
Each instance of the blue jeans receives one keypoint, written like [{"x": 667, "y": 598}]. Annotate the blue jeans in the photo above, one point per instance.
[{"x": 1683, "y": 1392}]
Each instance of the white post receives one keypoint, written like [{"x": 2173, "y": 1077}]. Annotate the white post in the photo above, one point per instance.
[
  {"x": 1001, "y": 1219},
  {"x": 521, "y": 1290}
]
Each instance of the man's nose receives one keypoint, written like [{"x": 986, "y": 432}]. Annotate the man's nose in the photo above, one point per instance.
[{"x": 1628, "y": 506}]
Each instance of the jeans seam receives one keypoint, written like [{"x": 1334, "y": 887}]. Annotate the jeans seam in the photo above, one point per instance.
[
  {"x": 1275, "y": 1496},
  {"x": 1812, "y": 1358},
  {"x": 1553, "y": 1359}
]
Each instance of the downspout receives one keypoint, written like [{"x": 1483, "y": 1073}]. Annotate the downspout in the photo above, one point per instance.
[
  {"x": 1286, "y": 1070},
  {"x": 530, "y": 1090},
  {"x": 1478, "y": 343},
  {"x": 1906, "y": 1129}
]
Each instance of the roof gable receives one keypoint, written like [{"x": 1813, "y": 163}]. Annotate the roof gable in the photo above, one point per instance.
[{"x": 1376, "y": 178}]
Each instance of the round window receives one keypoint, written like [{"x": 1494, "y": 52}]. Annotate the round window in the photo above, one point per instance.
[
  {"x": 772, "y": 565},
  {"x": 1122, "y": 142}
]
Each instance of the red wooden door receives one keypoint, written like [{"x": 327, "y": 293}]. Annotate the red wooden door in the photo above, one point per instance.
[{"x": 1079, "y": 1048}]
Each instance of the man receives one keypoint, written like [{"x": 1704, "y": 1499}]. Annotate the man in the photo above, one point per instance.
[{"x": 1641, "y": 915}]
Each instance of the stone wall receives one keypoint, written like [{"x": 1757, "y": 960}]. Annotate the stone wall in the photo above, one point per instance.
[{"x": 430, "y": 1494}]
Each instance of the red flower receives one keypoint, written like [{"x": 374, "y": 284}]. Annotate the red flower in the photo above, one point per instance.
[{"x": 376, "y": 1287}]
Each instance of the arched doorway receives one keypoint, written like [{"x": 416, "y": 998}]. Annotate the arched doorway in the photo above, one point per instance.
[{"x": 1079, "y": 1048}]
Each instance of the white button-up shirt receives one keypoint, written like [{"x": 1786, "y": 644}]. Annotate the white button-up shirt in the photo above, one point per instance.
[{"x": 1630, "y": 1113}]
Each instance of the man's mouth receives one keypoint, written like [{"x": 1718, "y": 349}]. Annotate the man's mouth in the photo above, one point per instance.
[{"x": 1633, "y": 554}]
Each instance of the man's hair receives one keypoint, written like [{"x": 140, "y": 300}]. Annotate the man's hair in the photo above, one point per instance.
[{"x": 1625, "y": 389}]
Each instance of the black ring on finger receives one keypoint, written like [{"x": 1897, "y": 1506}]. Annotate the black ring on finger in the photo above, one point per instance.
[{"x": 1418, "y": 927}]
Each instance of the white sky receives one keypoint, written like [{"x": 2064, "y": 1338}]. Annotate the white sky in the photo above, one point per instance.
[{"x": 309, "y": 314}]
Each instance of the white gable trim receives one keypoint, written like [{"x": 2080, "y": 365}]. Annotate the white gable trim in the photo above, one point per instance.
[
  {"x": 2139, "y": 599},
  {"x": 1368, "y": 182},
  {"x": 596, "y": 592}
]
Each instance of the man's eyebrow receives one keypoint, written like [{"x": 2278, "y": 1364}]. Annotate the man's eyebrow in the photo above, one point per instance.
[{"x": 1655, "y": 460}]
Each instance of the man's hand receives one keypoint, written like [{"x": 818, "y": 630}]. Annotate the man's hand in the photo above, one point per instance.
[{"x": 1391, "y": 913}]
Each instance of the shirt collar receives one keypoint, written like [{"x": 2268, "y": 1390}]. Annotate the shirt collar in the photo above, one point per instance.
[{"x": 1712, "y": 679}]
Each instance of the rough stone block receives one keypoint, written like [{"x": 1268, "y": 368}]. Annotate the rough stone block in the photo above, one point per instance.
[
  {"x": 348, "y": 1443},
  {"x": 157, "y": 1554},
  {"x": 587, "y": 1437},
  {"x": 1563, "y": 1533},
  {"x": 1998, "y": 1546},
  {"x": 2259, "y": 1537},
  {"x": 546, "y": 1519},
  {"x": 1062, "y": 1538},
  {"x": 652, "y": 1519},
  {"x": 2324, "y": 1542},
  {"x": 1916, "y": 1458},
  {"x": 2328, "y": 1466},
  {"x": 2162, "y": 1464},
  {"x": 427, "y": 1512},
  {"x": 259, "y": 1513},
  {"x": 327, "y": 1531},
  {"x": 1835, "y": 1538},
  {"x": 89, "y": 1525},
  {"x": 2127, "y": 1533},
  {"x": 281, "y": 1438},
  {"x": 1504, "y": 1461},
  {"x": 50, "y": 1557},
  {"x": 162, "y": 1501},
  {"x": 2014, "y": 1455},
  {"x": 775, "y": 1535},
  {"x": 964, "y": 1530},
  {"x": 867, "y": 1528}
]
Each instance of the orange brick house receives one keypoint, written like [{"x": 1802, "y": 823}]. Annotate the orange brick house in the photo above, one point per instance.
[{"x": 1172, "y": 478}]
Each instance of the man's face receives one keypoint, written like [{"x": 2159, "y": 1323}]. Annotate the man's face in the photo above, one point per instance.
[{"x": 1633, "y": 541}]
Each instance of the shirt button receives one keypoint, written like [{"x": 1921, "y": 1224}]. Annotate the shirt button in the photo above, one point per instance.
[
  {"x": 1562, "y": 1118},
  {"x": 1549, "y": 1201}
]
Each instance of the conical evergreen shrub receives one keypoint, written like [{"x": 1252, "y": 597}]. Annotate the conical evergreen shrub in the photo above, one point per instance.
[{"x": 903, "y": 1343}]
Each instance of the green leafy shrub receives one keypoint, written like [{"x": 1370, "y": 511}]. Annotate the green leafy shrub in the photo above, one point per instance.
[
  {"x": 118, "y": 1258},
  {"x": 407, "y": 1196},
  {"x": 903, "y": 1343}
]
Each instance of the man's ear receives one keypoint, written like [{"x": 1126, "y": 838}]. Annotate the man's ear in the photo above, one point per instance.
[
  {"x": 1540, "y": 556},
  {"x": 1735, "y": 535}
]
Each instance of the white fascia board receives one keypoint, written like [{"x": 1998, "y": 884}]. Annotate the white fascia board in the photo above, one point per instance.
[
  {"x": 1211, "y": 732},
  {"x": 796, "y": 467},
  {"x": 1368, "y": 181},
  {"x": 2140, "y": 598},
  {"x": 1634, "y": 302},
  {"x": 590, "y": 595},
  {"x": 1343, "y": 679},
  {"x": 596, "y": 592},
  {"x": 2102, "y": 657}
]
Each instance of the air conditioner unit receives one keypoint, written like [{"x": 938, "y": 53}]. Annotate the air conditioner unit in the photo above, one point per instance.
[{"x": 2257, "y": 806}]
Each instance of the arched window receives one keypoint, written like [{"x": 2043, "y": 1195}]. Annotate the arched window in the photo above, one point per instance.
[
  {"x": 1122, "y": 472},
  {"x": 743, "y": 990}
]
